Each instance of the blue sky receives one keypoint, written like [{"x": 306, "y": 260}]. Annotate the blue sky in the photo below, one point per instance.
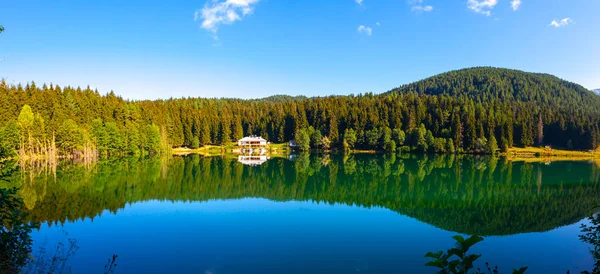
[{"x": 256, "y": 48}]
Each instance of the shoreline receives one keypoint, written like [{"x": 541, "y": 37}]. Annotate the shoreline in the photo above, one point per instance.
[{"x": 515, "y": 154}]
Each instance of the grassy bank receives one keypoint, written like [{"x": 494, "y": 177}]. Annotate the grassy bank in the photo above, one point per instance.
[
  {"x": 230, "y": 148},
  {"x": 542, "y": 154}
]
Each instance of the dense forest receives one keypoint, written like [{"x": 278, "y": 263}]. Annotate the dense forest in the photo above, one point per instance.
[
  {"x": 476, "y": 110},
  {"x": 463, "y": 193}
]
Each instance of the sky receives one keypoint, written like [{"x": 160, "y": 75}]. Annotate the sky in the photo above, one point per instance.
[{"x": 257, "y": 48}]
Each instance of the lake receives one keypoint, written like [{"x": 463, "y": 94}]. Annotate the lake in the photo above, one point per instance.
[{"x": 357, "y": 213}]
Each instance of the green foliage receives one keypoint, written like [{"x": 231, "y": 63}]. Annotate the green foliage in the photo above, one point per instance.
[
  {"x": 372, "y": 138},
  {"x": 350, "y": 137},
  {"x": 26, "y": 119},
  {"x": 457, "y": 260},
  {"x": 225, "y": 132},
  {"x": 303, "y": 140},
  {"x": 390, "y": 146},
  {"x": 386, "y": 138},
  {"x": 439, "y": 145},
  {"x": 591, "y": 235},
  {"x": 419, "y": 138},
  {"x": 492, "y": 145},
  {"x": 465, "y": 106},
  {"x": 398, "y": 136},
  {"x": 114, "y": 139},
  {"x": 481, "y": 145},
  {"x": 238, "y": 131},
  {"x": 450, "y": 146},
  {"x": 10, "y": 137},
  {"x": 325, "y": 142},
  {"x": 315, "y": 137},
  {"x": 15, "y": 239},
  {"x": 69, "y": 136},
  {"x": 153, "y": 144},
  {"x": 132, "y": 138}
]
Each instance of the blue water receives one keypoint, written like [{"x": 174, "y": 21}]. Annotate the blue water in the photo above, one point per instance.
[
  {"x": 262, "y": 236},
  {"x": 313, "y": 214}
]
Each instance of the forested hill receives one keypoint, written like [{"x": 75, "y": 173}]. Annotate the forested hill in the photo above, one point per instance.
[
  {"x": 484, "y": 84},
  {"x": 472, "y": 110}
]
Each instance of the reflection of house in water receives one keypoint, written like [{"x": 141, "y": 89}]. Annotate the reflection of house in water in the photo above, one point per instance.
[{"x": 252, "y": 160}]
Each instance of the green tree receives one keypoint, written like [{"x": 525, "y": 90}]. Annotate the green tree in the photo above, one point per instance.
[
  {"x": 492, "y": 145},
  {"x": 325, "y": 143},
  {"x": 303, "y": 140},
  {"x": 25, "y": 121},
  {"x": 372, "y": 138},
  {"x": 390, "y": 146},
  {"x": 420, "y": 139},
  {"x": 225, "y": 134},
  {"x": 26, "y": 118},
  {"x": 398, "y": 136},
  {"x": 480, "y": 145},
  {"x": 315, "y": 137},
  {"x": 132, "y": 138},
  {"x": 238, "y": 131},
  {"x": 153, "y": 145},
  {"x": 450, "y": 146},
  {"x": 386, "y": 138},
  {"x": 115, "y": 142},
  {"x": 100, "y": 136},
  {"x": 10, "y": 139},
  {"x": 350, "y": 137},
  {"x": 69, "y": 136},
  {"x": 430, "y": 140},
  {"x": 204, "y": 138}
]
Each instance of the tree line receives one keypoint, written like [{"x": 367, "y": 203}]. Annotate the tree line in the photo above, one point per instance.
[{"x": 478, "y": 110}]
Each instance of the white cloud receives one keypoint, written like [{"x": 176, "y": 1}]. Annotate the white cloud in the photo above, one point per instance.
[
  {"x": 562, "y": 23},
  {"x": 484, "y": 7},
  {"x": 418, "y": 7},
  {"x": 377, "y": 23},
  {"x": 365, "y": 30},
  {"x": 422, "y": 8},
  {"x": 359, "y": 2},
  {"x": 216, "y": 12},
  {"x": 515, "y": 4}
]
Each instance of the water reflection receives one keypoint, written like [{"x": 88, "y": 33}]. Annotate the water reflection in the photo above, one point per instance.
[
  {"x": 252, "y": 160},
  {"x": 470, "y": 195}
]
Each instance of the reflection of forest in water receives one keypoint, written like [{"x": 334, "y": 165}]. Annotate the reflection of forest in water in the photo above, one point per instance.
[{"x": 471, "y": 195}]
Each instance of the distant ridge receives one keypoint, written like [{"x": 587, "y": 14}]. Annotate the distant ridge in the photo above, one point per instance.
[
  {"x": 506, "y": 85},
  {"x": 597, "y": 91}
]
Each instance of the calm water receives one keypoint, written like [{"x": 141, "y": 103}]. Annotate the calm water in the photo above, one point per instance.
[{"x": 315, "y": 214}]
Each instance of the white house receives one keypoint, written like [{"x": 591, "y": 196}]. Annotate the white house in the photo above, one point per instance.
[{"x": 252, "y": 141}]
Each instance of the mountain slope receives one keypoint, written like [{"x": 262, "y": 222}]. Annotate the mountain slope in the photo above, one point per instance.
[{"x": 483, "y": 84}]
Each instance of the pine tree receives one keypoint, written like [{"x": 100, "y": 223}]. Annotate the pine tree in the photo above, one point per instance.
[
  {"x": 238, "y": 131},
  {"x": 350, "y": 137},
  {"x": 492, "y": 145},
  {"x": 303, "y": 140}
]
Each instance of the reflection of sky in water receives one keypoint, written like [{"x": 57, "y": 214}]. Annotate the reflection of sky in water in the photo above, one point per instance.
[{"x": 262, "y": 236}]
